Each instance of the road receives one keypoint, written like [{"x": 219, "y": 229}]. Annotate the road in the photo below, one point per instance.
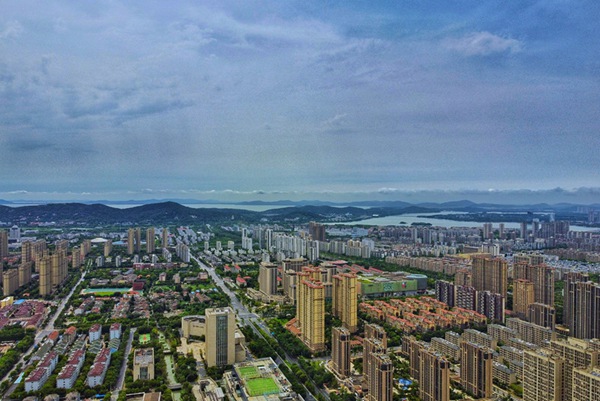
[
  {"x": 249, "y": 318},
  {"x": 121, "y": 379}
]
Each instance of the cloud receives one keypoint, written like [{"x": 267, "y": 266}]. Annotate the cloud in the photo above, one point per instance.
[
  {"x": 484, "y": 44},
  {"x": 12, "y": 29}
]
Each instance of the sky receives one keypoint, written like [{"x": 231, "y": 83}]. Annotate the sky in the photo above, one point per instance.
[{"x": 332, "y": 100}]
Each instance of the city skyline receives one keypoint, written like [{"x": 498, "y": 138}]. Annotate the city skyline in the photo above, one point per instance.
[{"x": 300, "y": 100}]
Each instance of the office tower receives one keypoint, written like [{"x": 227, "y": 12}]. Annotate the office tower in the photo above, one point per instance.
[
  {"x": 380, "y": 380},
  {"x": 317, "y": 231},
  {"x": 130, "y": 241},
  {"x": 26, "y": 252},
  {"x": 463, "y": 277},
  {"x": 345, "y": 299},
  {"x": 542, "y": 376},
  {"x": 150, "y": 248},
  {"x": 45, "y": 270},
  {"x": 476, "y": 369},
  {"x": 25, "y": 273},
  {"x": 340, "y": 351},
  {"x": 220, "y": 336},
  {"x": 10, "y": 280},
  {"x": 584, "y": 309},
  {"x": 434, "y": 376},
  {"x": 444, "y": 292},
  {"x": 523, "y": 296},
  {"x": 586, "y": 384},
  {"x": 542, "y": 315},
  {"x": 311, "y": 309},
  {"x": 466, "y": 297},
  {"x": 267, "y": 278},
  {"x": 490, "y": 274},
  {"x": 491, "y": 305},
  {"x": 143, "y": 364},
  {"x": 3, "y": 245},
  {"x": 165, "y": 237},
  {"x": 107, "y": 248}
]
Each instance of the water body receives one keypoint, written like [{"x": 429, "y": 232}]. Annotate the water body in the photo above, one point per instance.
[{"x": 410, "y": 218}]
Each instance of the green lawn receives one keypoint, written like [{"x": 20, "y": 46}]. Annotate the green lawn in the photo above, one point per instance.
[
  {"x": 248, "y": 372},
  {"x": 144, "y": 338},
  {"x": 261, "y": 386}
]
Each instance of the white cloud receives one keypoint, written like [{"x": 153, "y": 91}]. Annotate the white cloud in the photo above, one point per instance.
[
  {"x": 484, "y": 44},
  {"x": 12, "y": 29}
]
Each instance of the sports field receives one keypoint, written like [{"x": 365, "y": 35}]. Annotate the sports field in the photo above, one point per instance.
[
  {"x": 248, "y": 372},
  {"x": 262, "y": 386},
  {"x": 144, "y": 338}
]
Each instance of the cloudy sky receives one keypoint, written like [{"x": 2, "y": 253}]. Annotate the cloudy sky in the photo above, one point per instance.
[{"x": 292, "y": 100}]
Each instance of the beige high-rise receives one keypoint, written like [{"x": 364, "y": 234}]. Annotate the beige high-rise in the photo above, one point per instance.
[
  {"x": 10, "y": 280},
  {"x": 340, "y": 351},
  {"x": 476, "y": 369},
  {"x": 45, "y": 269},
  {"x": 150, "y": 247},
  {"x": 345, "y": 300},
  {"x": 490, "y": 274},
  {"x": 220, "y": 336},
  {"x": 434, "y": 376},
  {"x": 267, "y": 278},
  {"x": 523, "y": 296},
  {"x": 311, "y": 309}
]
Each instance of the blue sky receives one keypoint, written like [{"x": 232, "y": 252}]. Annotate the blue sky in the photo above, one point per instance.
[{"x": 295, "y": 100}]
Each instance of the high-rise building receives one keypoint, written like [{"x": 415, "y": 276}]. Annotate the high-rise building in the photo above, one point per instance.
[
  {"x": 490, "y": 274},
  {"x": 375, "y": 341},
  {"x": 466, "y": 297},
  {"x": 267, "y": 278},
  {"x": 131, "y": 241},
  {"x": 586, "y": 384},
  {"x": 76, "y": 259},
  {"x": 542, "y": 315},
  {"x": 584, "y": 309},
  {"x": 295, "y": 264},
  {"x": 345, "y": 299},
  {"x": 491, "y": 305},
  {"x": 25, "y": 273},
  {"x": 576, "y": 354},
  {"x": 463, "y": 277},
  {"x": 138, "y": 240},
  {"x": 310, "y": 309},
  {"x": 444, "y": 292},
  {"x": 542, "y": 376},
  {"x": 3, "y": 245},
  {"x": 143, "y": 364},
  {"x": 476, "y": 369},
  {"x": 434, "y": 376},
  {"x": 523, "y": 296},
  {"x": 569, "y": 278},
  {"x": 340, "y": 351},
  {"x": 26, "y": 252},
  {"x": 107, "y": 248},
  {"x": 532, "y": 268},
  {"x": 10, "y": 280},
  {"x": 380, "y": 379},
  {"x": 220, "y": 336},
  {"x": 45, "y": 269},
  {"x": 165, "y": 237},
  {"x": 317, "y": 231},
  {"x": 150, "y": 247}
]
